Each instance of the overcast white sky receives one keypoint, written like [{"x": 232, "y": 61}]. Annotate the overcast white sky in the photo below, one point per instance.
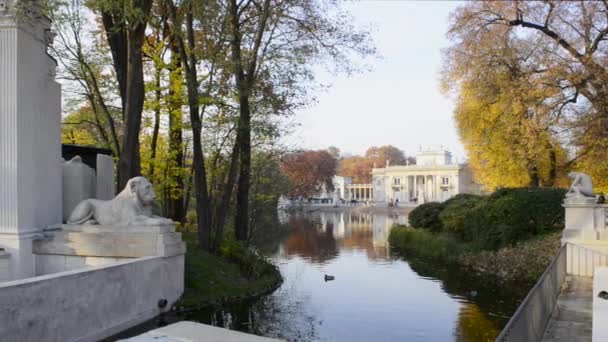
[{"x": 399, "y": 101}]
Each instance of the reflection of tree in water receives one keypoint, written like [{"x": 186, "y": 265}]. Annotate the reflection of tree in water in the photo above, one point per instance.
[
  {"x": 495, "y": 301},
  {"x": 473, "y": 325},
  {"x": 275, "y": 316},
  {"x": 309, "y": 240}
]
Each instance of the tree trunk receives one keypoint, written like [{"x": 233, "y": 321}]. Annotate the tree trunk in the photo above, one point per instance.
[
  {"x": 241, "y": 224},
  {"x": 176, "y": 154},
  {"x": 245, "y": 81},
  {"x": 125, "y": 40},
  {"x": 203, "y": 200},
  {"x": 156, "y": 129},
  {"x": 534, "y": 176}
]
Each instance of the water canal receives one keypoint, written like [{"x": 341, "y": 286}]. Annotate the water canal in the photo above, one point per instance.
[{"x": 376, "y": 294}]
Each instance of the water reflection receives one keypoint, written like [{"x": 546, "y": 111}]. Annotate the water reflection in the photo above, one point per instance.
[
  {"x": 319, "y": 236},
  {"x": 376, "y": 296}
]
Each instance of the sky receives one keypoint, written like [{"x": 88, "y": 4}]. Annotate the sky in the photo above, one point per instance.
[{"x": 398, "y": 102}]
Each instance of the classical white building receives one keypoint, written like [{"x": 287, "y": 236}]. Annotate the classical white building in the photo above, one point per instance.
[{"x": 434, "y": 178}]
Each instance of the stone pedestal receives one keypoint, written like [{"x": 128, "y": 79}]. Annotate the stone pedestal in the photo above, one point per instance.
[
  {"x": 584, "y": 222},
  {"x": 585, "y": 231},
  {"x": 30, "y": 139},
  {"x": 77, "y": 246}
]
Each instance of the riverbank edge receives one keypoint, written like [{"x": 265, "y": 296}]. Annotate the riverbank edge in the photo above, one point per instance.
[
  {"x": 522, "y": 263},
  {"x": 213, "y": 281}
]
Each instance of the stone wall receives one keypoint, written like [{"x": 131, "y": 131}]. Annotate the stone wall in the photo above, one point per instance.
[{"x": 89, "y": 304}]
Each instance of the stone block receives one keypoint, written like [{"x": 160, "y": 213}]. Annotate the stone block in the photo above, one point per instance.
[
  {"x": 49, "y": 264},
  {"x": 600, "y": 305},
  {"x": 102, "y": 241},
  {"x": 94, "y": 228},
  {"x": 4, "y": 266},
  {"x": 192, "y": 331},
  {"x": 580, "y": 217},
  {"x": 579, "y": 235},
  {"x": 105, "y": 178},
  {"x": 78, "y": 184}
]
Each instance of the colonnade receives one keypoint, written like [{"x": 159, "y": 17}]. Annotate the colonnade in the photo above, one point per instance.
[
  {"x": 420, "y": 188},
  {"x": 359, "y": 192}
]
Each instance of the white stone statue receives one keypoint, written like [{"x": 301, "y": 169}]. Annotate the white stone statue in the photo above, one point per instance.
[
  {"x": 581, "y": 186},
  {"x": 131, "y": 207}
]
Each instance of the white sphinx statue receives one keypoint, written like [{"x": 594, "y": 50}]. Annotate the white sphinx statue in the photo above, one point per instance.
[
  {"x": 131, "y": 207},
  {"x": 581, "y": 189}
]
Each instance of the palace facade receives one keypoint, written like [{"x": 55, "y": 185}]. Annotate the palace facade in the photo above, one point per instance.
[{"x": 434, "y": 178}]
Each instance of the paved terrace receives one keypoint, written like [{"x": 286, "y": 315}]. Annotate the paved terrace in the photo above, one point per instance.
[{"x": 572, "y": 317}]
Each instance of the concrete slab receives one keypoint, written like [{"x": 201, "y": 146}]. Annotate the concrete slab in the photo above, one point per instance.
[
  {"x": 196, "y": 332},
  {"x": 600, "y": 304},
  {"x": 572, "y": 317}
]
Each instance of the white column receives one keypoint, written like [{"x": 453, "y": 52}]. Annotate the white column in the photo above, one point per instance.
[
  {"x": 407, "y": 189},
  {"x": 416, "y": 188},
  {"x": 30, "y": 139}
]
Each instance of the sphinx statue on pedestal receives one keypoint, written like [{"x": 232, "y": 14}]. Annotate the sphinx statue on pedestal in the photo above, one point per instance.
[{"x": 131, "y": 207}]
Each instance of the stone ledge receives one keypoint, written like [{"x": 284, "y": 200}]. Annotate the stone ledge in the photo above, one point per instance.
[
  {"x": 98, "y": 241},
  {"x": 93, "y": 228},
  {"x": 192, "y": 331}
]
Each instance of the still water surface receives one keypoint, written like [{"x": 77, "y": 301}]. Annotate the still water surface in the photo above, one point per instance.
[{"x": 376, "y": 295}]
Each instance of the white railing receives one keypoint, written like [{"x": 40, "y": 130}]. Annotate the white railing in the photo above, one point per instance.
[{"x": 531, "y": 317}]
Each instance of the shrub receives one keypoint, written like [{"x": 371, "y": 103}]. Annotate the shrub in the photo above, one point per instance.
[
  {"x": 426, "y": 216},
  {"x": 423, "y": 244},
  {"x": 515, "y": 214},
  {"x": 458, "y": 214},
  {"x": 461, "y": 198}
]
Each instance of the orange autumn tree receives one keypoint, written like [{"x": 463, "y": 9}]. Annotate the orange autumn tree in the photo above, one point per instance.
[
  {"x": 309, "y": 172},
  {"x": 359, "y": 168}
]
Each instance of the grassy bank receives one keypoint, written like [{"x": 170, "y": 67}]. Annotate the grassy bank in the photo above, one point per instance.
[
  {"x": 512, "y": 233},
  {"x": 233, "y": 275},
  {"x": 522, "y": 262}
]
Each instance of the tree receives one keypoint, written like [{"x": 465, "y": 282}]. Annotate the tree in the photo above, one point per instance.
[
  {"x": 561, "y": 46},
  {"x": 309, "y": 172},
  {"x": 264, "y": 39},
  {"x": 358, "y": 168},
  {"x": 82, "y": 67},
  {"x": 125, "y": 23},
  {"x": 189, "y": 61},
  {"x": 380, "y": 155},
  {"x": 334, "y": 151}
]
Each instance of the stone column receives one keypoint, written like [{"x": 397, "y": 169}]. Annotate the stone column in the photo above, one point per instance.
[
  {"x": 407, "y": 189},
  {"x": 30, "y": 139},
  {"x": 437, "y": 188},
  {"x": 416, "y": 188}
]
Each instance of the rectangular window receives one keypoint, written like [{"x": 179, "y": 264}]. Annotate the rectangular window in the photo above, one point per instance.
[
  {"x": 445, "y": 180},
  {"x": 397, "y": 181}
]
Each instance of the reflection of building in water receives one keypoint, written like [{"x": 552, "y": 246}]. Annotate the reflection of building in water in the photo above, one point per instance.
[
  {"x": 434, "y": 178},
  {"x": 359, "y": 231}
]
